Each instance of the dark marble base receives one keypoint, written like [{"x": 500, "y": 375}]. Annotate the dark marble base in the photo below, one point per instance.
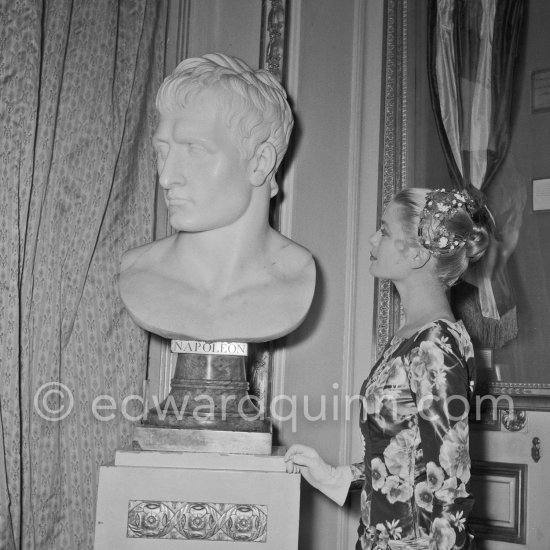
[
  {"x": 208, "y": 410},
  {"x": 209, "y": 392}
]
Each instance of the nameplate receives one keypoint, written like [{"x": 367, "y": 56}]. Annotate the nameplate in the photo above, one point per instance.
[{"x": 210, "y": 348}]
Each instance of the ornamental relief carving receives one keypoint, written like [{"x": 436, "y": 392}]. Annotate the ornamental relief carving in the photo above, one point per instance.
[{"x": 206, "y": 521}]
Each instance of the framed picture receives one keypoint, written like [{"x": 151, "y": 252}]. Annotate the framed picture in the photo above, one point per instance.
[{"x": 518, "y": 369}]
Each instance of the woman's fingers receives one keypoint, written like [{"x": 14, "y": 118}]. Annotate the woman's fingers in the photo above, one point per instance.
[
  {"x": 304, "y": 460},
  {"x": 299, "y": 449},
  {"x": 292, "y": 468},
  {"x": 301, "y": 455}
]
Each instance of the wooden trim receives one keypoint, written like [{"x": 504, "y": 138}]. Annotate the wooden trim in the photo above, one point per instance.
[{"x": 487, "y": 529}]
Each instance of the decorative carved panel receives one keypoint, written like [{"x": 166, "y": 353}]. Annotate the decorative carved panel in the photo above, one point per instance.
[{"x": 199, "y": 521}]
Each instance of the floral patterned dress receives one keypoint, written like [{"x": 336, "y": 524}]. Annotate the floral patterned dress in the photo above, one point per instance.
[{"x": 414, "y": 423}]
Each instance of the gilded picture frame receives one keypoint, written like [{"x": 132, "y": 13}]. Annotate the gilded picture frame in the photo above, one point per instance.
[{"x": 393, "y": 177}]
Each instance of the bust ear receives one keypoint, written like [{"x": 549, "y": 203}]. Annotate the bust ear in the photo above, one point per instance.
[
  {"x": 262, "y": 165},
  {"x": 418, "y": 257}
]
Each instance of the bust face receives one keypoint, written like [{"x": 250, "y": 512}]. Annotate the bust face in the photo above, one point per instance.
[{"x": 205, "y": 181}]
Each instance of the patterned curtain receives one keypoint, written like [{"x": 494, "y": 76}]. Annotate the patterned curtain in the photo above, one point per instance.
[
  {"x": 77, "y": 181},
  {"x": 472, "y": 48}
]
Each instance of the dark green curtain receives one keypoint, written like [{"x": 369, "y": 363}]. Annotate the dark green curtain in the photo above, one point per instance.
[{"x": 77, "y": 184}]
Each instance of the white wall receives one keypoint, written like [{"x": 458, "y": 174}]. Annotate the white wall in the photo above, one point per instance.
[{"x": 334, "y": 77}]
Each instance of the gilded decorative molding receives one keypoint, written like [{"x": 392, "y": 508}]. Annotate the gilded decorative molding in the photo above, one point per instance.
[
  {"x": 206, "y": 521},
  {"x": 514, "y": 420},
  {"x": 394, "y": 150},
  {"x": 530, "y": 396},
  {"x": 273, "y": 36},
  {"x": 519, "y": 388}
]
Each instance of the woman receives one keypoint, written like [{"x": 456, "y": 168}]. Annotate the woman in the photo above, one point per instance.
[{"x": 414, "y": 417}]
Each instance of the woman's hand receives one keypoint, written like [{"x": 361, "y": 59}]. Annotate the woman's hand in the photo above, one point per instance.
[
  {"x": 331, "y": 481},
  {"x": 307, "y": 461}
]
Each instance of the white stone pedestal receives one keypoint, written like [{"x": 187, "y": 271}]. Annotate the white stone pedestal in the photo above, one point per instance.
[{"x": 203, "y": 501}]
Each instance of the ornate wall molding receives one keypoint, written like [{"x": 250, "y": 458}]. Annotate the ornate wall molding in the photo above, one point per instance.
[
  {"x": 513, "y": 420},
  {"x": 272, "y": 58},
  {"x": 199, "y": 521},
  {"x": 525, "y": 395},
  {"x": 393, "y": 151},
  {"x": 273, "y": 37}
]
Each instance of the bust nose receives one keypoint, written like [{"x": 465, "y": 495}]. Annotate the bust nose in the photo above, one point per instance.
[{"x": 171, "y": 172}]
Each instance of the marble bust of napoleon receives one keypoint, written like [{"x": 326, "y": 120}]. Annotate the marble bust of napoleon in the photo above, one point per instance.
[{"x": 225, "y": 274}]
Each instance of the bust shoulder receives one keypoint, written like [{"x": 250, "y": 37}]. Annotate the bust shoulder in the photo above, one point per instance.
[
  {"x": 290, "y": 259},
  {"x": 260, "y": 297},
  {"x": 151, "y": 252}
]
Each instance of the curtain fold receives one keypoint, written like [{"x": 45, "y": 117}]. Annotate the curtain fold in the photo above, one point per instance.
[
  {"x": 472, "y": 49},
  {"x": 77, "y": 187}
]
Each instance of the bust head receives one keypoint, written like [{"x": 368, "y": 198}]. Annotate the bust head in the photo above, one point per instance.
[
  {"x": 449, "y": 225},
  {"x": 225, "y": 274},
  {"x": 252, "y": 102}
]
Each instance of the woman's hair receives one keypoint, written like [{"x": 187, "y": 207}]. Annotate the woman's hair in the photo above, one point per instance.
[{"x": 446, "y": 223}]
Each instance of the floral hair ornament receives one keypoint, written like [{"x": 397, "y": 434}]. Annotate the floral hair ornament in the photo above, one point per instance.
[{"x": 441, "y": 205}]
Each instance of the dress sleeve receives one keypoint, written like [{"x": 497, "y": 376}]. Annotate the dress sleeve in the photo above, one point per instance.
[
  {"x": 344, "y": 480},
  {"x": 357, "y": 475},
  {"x": 337, "y": 487},
  {"x": 439, "y": 382}
]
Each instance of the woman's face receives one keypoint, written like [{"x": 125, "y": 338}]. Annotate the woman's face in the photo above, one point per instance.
[{"x": 389, "y": 247}]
